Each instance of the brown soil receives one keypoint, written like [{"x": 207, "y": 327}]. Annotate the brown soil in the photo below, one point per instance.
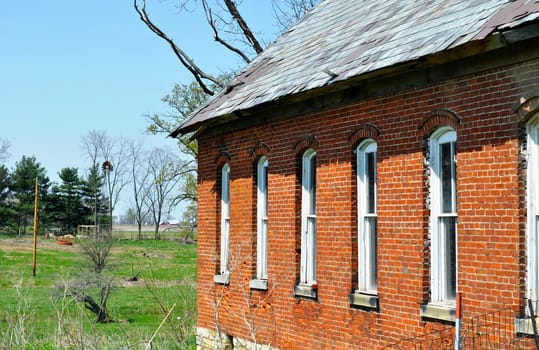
[{"x": 26, "y": 244}]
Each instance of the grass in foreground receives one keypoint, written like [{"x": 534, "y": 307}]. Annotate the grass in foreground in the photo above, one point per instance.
[{"x": 35, "y": 314}]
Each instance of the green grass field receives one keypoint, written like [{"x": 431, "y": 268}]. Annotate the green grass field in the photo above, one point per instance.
[{"x": 36, "y": 314}]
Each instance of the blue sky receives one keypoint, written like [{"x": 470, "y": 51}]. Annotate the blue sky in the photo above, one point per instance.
[{"x": 71, "y": 66}]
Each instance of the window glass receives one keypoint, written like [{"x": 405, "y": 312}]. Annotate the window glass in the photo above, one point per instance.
[
  {"x": 312, "y": 185},
  {"x": 370, "y": 167},
  {"x": 447, "y": 176},
  {"x": 532, "y": 227},
  {"x": 225, "y": 219},
  {"x": 262, "y": 219},
  {"x": 308, "y": 219},
  {"x": 366, "y": 199},
  {"x": 443, "y": 216}
]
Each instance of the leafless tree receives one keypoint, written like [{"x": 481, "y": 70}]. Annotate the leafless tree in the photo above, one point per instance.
[
  {"x": 4, "y": 150},
  {"x": 166, "y": 171},
  {"x": 93, "y": 287},
  {"x": 249, "y": 307},
  {"x": 101, "y": 148},
  {"x": 140, "y": 184},
  {"x": 81, "y": 291},
  {"x": 229, "y": 28},
  {"x": 288, "y": 12},
  {"x": 90, "y": 144}
]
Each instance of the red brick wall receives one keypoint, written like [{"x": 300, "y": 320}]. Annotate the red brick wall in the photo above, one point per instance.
[{"x": 490, "y": 214}]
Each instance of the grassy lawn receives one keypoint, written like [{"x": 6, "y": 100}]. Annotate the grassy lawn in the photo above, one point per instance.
[{"x": 36, "y": 314}]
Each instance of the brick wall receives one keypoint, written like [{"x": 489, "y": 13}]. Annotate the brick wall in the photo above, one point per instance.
[{"x": 490, "y": 229}]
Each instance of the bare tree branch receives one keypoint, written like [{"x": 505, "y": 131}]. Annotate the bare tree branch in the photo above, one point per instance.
[
  {"x": 217, "y": 38},
  {"x": 4, "y": 150},
  {"x": 229, "y": 29},
  {"x": 140, "y": 180},
  {"x": 164, "y": 170},
  {"x": 231, "y": 6},
  {"x": 99, "y": 145},
  {"x": 185, "y": 60},
  {"x": 288, "y": 12}
]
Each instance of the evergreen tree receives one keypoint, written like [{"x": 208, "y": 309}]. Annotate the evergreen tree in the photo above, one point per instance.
[
  {"x": 67, "y": 209},
  {"x": 23, "y": 182},
  {"x": 7, "y": 213}
]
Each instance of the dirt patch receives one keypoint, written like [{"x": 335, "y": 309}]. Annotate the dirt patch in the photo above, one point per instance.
[{"x": 26, "y": 244}]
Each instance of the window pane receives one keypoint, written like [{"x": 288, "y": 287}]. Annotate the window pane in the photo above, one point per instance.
[
  {"x": 310, "y": 253},
  {"x": 265, "y": 189},
  {"x": 533, "y": 255},
  {"x": 448, "y": 230},
  {"x": 264, "y": 249},
  {"x": 370, "y": 173},
  {"x": 370, "y": 251},
  {"x": 224, "y": 246},
  {"x": 447, "y": 171},
  {"x": 225, "y": 218},
  {"x": 225, "y": 191},
  {"x": 312, "y": 185}
]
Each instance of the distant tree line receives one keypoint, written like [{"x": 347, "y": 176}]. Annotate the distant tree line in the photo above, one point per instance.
[
  {"x": 61, "y": 206},
  {"x": 152, "y": 184}
]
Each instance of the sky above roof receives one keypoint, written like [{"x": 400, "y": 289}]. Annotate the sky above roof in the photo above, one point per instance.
[
  {"x": 336, "y": 43},
  {"x": 68, "y": 67}
]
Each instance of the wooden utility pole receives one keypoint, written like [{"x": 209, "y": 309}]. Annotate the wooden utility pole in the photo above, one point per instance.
[{"x": 35, "y": 233}]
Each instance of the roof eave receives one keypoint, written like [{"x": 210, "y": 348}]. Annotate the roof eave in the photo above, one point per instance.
[{"x": 496, "y": 40}]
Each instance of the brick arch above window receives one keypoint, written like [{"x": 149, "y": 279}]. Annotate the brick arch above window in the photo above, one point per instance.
[
  {"x": 362, "y": 132},
  {"x": 305, "y": 142},
  {"x": 259, "y": 150},
  {"x": 438, "y": 118},
  {"x": 223, "y": 157},
  {"x": 527, "y": 106}
]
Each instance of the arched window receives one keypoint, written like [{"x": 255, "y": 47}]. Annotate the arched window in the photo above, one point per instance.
[
  {"x": 532, "y": 227},
  {"x": 262, "y": 219},
  {"x": 225, "y": 220},
  {"x": 308, "y": 219},
  {"x": 366, "y": 199},
  {"x": 443, "y": 216}
]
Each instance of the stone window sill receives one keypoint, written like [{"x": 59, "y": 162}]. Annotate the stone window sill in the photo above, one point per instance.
[
  {"x": 368, "y": 301},
  {"x": 438, "y": 312},
  {"x": 258, "y": 284},
  {"x": 222, "y": 279},
  {"x": 307, "y": 291}
]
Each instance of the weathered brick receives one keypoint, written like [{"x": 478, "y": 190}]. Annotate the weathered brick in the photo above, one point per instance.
[{"x": 491, "y": 214}]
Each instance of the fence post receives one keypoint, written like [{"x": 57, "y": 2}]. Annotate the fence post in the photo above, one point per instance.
[{"x": 457, "y": 324}]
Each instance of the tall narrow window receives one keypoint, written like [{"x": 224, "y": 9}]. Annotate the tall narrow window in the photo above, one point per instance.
[
  {"x": 532, "y": 229},
  {"x": 262, "y": 220},
  {"x": 443, "y": 219},
  {"x": 308, "y": 219},
  {"x": 366, "y": 187},
  {"x": 225, "y": 220}
]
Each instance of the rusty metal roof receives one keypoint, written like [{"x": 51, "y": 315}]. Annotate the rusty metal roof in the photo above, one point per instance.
[{"x": 343, "y": 39}]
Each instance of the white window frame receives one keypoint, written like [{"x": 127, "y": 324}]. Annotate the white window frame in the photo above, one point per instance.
[
  {"x": 262, "y": 220},
  {"x": 224, "y": 267},
  {"x": 441, "y": 290},
  {"x": 367, "y": 218},
  {"x": 532, "y": 239},
  {"x": 308, "y": 219}
]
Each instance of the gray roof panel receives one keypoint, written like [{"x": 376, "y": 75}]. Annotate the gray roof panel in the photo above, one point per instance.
[{"x": 342, "y": 39}]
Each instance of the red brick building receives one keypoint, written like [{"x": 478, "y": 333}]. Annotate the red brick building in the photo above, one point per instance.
[{"x": 375, "y": 165}]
